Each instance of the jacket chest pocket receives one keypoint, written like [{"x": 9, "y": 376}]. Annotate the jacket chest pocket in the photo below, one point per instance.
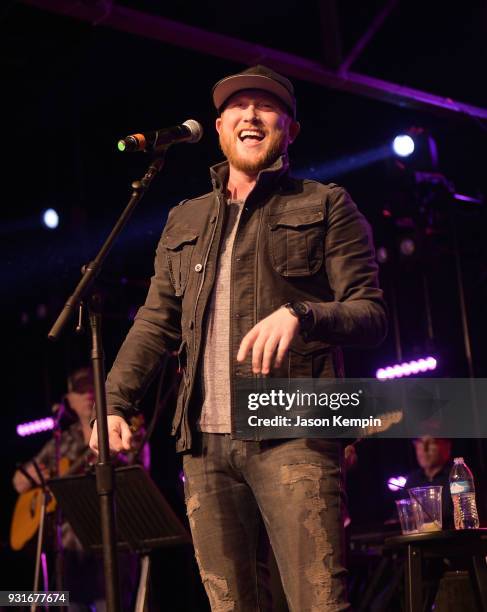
[
  {"x": 296, "y": 241},
  {"x": 179, "y": 249}
]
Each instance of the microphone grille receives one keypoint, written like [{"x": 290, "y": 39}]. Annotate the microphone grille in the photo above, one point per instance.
[{"x": 195, "y": 128}]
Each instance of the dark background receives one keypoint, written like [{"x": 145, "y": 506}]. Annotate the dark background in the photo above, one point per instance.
[{"x": 71, "y": 89}]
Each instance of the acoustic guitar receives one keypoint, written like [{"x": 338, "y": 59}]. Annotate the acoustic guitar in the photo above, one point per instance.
[{"x": 27, "y": 512}]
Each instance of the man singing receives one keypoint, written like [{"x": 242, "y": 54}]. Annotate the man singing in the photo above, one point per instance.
[{"x": 265, "y": 275}]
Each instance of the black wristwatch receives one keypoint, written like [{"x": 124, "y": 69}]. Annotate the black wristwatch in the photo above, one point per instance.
[{"x": 304, "y": 314}]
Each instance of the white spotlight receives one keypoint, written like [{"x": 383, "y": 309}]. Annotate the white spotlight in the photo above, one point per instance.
[
  {"x": 403, "y": 145},
  {"x": 50, "y": 218}
]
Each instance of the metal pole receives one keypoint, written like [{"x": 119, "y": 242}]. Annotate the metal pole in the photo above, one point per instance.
[
  {"x": 242, "y": 52},
  {"x": 368, "y": 36},
  {"x": 104, "y": 469}
]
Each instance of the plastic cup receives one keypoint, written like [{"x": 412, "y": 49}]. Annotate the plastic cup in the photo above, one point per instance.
[
  {"x": 428, "y": 508},
  {"x": 406, "y": 510}
]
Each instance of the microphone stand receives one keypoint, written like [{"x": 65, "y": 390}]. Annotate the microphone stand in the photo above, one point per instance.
[
  {"x": 58, "y": 537},
  {"x": 46, "y": 495},
  {"x": 104, "y": 468}
]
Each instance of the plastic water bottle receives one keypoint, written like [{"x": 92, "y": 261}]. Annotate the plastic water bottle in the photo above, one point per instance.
[{"x": 462, "y": 489}]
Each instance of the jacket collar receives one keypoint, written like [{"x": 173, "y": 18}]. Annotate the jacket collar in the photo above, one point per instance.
[{"x": 266, "y": 177}]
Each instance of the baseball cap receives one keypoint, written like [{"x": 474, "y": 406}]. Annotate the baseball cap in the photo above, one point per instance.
[
  {"x": 256, "y": 77},
  {"x": 81, "y": 380}
]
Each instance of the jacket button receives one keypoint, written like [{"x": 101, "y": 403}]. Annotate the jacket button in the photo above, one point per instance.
[{"x": 198, "y": 267}]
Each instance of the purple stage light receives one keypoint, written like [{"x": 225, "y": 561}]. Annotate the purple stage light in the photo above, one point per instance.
[
  {"x": 407, "y": 247},
  {"x": 33, "y": 427},
  {"x": 382, "y": 255},
  {"x": 460, "y": 197},
  {"x": 407, "y": 368},
  {"x": 396, "y": 482}
]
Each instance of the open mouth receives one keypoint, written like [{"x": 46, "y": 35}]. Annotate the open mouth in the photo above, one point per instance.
[{"x": 251, "y": 135}]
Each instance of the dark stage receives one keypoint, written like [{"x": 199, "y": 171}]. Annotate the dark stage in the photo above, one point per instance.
[{"x": 80, "y": 76}]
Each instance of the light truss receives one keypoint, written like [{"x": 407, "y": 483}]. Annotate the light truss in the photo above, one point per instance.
[{"x": 171, "y": 32}]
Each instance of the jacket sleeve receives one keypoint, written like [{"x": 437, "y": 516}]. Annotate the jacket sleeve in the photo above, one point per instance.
[
  {"x": 156, "y": 329},
  {"x": 357, "y": 316}
]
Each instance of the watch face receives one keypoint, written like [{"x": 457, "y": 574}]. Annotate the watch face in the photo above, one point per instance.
[{"x": 300, "y": 308}]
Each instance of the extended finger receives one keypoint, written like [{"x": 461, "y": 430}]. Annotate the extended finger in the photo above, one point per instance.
[
  {"x": 282, "y": 351},
  {"x": 257, "y": 352},
  {"x": 269, "y": 350},
  {"x": 247, "y": 342}
]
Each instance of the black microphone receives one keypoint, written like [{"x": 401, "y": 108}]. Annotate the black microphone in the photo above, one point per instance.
[{"x": 189, "y": 131}]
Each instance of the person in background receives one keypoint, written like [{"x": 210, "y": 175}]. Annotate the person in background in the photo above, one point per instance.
[
  {"x": 434, "y": 459},
  {"x": 82, "y": 571}
]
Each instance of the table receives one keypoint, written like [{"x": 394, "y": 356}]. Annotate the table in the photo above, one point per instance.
[{"x": 469, "y": 544}]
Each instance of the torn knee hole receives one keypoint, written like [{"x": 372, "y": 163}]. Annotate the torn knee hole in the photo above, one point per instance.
[
  {"x": 295, "y": 472},
  {"x": 192, "y": 504},
  {"x": 217, "y": 590}
]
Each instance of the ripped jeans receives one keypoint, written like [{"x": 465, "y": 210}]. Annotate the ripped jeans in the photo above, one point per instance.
[{"x": 296, "y": 487}]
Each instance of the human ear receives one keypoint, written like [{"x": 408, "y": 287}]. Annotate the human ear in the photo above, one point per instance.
[{"x": 294, "y": 129}]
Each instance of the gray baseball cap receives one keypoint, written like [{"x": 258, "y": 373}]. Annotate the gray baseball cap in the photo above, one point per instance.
[{"x": 257, "y": 77}]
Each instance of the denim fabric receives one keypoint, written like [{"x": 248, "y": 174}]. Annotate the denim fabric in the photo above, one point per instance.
[{"x": 296, "y": 487}]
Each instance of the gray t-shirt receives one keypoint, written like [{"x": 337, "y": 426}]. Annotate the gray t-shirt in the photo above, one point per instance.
[{"x": 215, "y": 413}]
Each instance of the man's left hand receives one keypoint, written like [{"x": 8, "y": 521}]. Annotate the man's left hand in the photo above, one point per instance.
[{"x": 272, "y": 335}]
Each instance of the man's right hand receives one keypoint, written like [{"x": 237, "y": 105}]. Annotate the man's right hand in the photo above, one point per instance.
[{"x": 119, "y": 435}]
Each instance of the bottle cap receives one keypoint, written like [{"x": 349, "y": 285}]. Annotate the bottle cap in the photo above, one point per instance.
[{"x": 458, "y": 460}]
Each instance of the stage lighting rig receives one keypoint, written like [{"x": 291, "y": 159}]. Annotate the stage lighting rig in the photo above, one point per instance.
[{"x": 416, "y": 148}]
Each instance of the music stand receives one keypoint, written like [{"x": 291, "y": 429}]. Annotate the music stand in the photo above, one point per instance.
[{"x": 144, "y": 519}]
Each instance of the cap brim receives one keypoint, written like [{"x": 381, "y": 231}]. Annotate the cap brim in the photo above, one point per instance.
[{"x": 230, "y": 85}]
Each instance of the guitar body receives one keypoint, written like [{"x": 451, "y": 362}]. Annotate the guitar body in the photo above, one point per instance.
[{"x": 27, "y": 513}]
